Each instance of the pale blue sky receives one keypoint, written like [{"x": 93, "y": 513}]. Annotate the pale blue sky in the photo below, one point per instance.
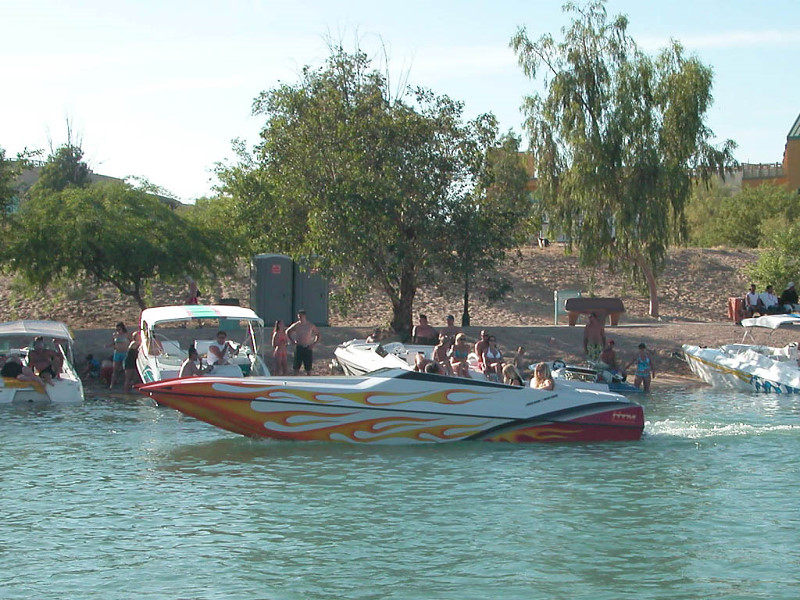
[{"x": 159, "y": 88}]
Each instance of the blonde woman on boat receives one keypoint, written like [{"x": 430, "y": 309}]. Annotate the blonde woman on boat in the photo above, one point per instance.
[
  {"x": 542, "y": 379},
  {"x": 458, "y": 356}
]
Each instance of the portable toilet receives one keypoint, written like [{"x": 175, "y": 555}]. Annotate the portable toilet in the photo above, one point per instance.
[
  {"x": 271, "y": 288},
  {"x": 311, "y": 294}
]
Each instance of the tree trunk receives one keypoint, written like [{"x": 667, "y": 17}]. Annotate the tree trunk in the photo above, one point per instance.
[
  {"x": 139, "y": 300},
  {"x": 465, "y": 314},
  {"x": 651, "y": 284},
  {"x": 402, "y": 306}
]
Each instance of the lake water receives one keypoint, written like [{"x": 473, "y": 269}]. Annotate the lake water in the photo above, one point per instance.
[{"x": 119, "y": 499}]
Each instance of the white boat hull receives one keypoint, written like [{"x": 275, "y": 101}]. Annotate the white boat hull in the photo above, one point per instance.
[{"x": 748, "y": 368}]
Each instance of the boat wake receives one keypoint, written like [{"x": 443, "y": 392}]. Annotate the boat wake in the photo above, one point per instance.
[{"x": 705, "y": 430}]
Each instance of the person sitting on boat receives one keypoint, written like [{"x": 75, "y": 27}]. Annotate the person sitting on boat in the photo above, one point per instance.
[
  {"x": 434, "y": 368},
  {"x": 424, "y": 333},
  {"x": 751, "y": 302},
  {"x": 45, "y": 362},
  {"x": 459, "y": 353},
  {"x": 375, "y": 336},
  {"x": 14, "y": 368},
  {"x": 440, "y": 354},
  {"x": 420, "y": 362},
  {"x": 219, "y": 351},
  {"x": 645, "y": 369},
  {"x": 480, "y": 347},
  {"x": 190, "y": 366},
  {"x": 492, "y": 360},
  {"x": 768, "y": 302},
  {"x": 511, "y": 376},
  {"x": 542, "y": 379},
  {"x": 788, "y": 299}
]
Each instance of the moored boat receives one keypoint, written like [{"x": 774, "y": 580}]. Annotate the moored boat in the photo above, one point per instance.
[
  {"x": 397, "y": 406},
  {"x": 604, "y": 379},
  {"x": 16, "y": 338},
  {"x": 750, "y": 367},
  {"x": 160, "y": 357},
  {"x": 359, "y": 357}
]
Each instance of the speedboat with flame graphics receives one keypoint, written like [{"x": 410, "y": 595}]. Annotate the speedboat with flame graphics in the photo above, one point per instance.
[{"x": 397, "y": 406}]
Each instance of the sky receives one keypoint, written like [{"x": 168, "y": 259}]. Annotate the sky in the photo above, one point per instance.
[{"x": 158, "y": 89}]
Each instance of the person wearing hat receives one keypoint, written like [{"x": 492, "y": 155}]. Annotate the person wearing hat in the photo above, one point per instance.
[
  {"x": 789, "y": 299},
  {"x": 645, "y": 369}
]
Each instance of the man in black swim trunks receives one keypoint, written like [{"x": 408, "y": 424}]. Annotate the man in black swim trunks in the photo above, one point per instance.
[{"x": 305, "y": 335}]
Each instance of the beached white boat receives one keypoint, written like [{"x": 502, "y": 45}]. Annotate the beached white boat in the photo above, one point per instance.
[
  {"x": 749, "y": 366},
  {"x": 16, "y": 337},
  {"x": 160, "y": 357},
  {"x": 398, "y": 406},
  {"x": 359, "y": 357}
]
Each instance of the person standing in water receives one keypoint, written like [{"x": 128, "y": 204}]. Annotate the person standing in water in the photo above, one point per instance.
[{"x": 645, "y": 369}]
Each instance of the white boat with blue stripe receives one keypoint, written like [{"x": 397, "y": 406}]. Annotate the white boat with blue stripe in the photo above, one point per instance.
[{"x": 749, "y": 366}]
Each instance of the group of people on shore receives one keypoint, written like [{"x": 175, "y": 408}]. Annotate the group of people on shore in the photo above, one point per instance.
[{"x": 767, "y": 303}]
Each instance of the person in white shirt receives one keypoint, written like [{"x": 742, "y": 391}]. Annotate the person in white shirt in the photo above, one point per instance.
[
  {"x": 751, "y": 301},
  {"x": 769, "y": 302},
  {"x": 218, "y": 351}
]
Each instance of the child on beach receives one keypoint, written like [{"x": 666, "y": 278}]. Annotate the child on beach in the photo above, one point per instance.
[{"x": 92, "y": 368}]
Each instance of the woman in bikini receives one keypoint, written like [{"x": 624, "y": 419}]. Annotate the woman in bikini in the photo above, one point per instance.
[
  {"x": 280, "y": 343},
  {"x": 645, "y": 369},
  {"x": 492, "y": 360},
  {"x": 458, "y": 356}
]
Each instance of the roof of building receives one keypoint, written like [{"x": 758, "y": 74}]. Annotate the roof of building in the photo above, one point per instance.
[{"x": 794, "y": 132}]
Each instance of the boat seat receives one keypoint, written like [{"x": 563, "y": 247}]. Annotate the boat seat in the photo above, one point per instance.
[
  {"x": 202, "y": 346},
  {"x": 171, "y": 348}
]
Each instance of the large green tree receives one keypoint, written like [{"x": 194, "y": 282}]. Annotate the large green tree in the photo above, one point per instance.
[
  {"x": 617, "y": 138},
  {"x": 496, "y": 216},
  {"x": 366, "y": 183},
  {"x": 110, "y": 233}
]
